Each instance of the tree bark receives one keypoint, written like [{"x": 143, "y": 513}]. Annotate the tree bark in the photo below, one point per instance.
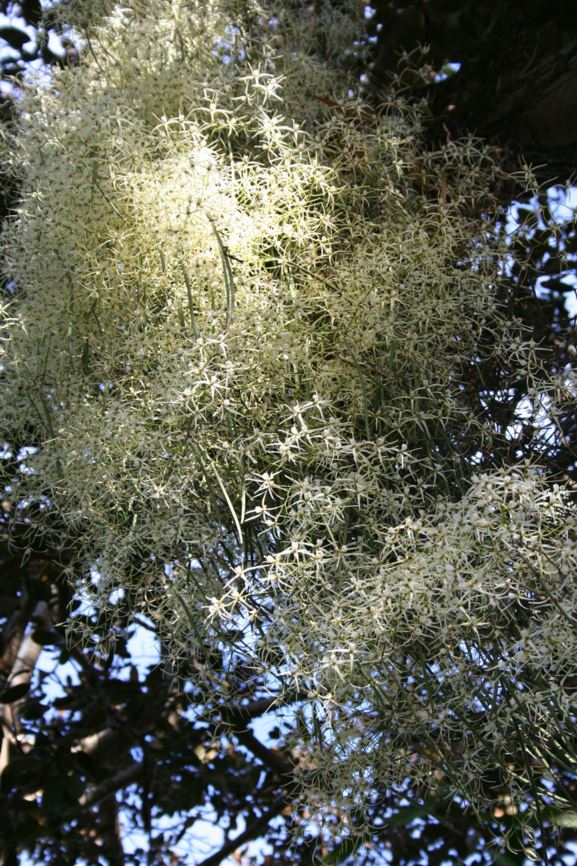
[{"x": 20, "y": 674}]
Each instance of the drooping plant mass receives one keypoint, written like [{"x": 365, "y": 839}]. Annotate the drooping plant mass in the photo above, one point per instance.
[{"x": 248, "y": 322}]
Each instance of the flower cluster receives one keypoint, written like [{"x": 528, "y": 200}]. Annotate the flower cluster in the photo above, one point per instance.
[{"x": 244, "y": 308}]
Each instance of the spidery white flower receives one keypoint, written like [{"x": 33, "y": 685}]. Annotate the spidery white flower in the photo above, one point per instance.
[{"x": 242, "y": 314}]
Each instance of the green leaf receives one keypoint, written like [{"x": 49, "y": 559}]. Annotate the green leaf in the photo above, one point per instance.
[
  {"x": 227, "y": 272},
  {"x": 64, "y": 656},
  {"x": 53, "y": 794},
  {"x": 8, "y": 605},
  {"x": 509, "y": 859},
  {"x": 24, "y": 829},
  {"x": 14, "y": 693},
  {"x": 565, "y": 819},
  {"x": 31, "y": 11},
  {"x": 74, "y": 788},
  {"x": 33, "y": 709},
  {"x": 15, "y": 37},
  {"x": 404, "y": 816},
  {"x": 342, "y": 851},
  {"x": 45, "y": 636},
  {"x": 191, "y": 312},
  {"x": 26, "y": 770}
]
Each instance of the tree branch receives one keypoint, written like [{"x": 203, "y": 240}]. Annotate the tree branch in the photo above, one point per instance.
[
  {"x": 241, "y": 713},
  {"x": 122, "y": 779},
  {"x": 114, "y": 850},
  {"x": 252, "y": 830},
  {"x": 278, "y": 761},
  {"x": 21, "y": 672}
]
